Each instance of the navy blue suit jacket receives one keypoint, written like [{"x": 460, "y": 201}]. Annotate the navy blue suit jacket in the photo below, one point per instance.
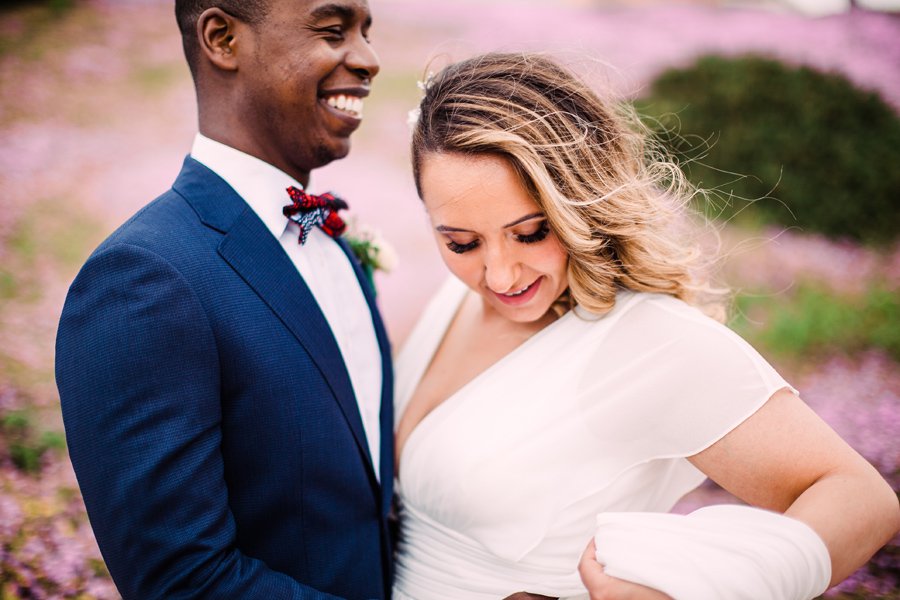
[{"x": 209, "y": 414}]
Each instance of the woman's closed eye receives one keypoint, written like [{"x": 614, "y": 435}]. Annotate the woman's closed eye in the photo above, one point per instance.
[
  {"x": 461, "y": 248},
  {"x": 538, "y": 235}
]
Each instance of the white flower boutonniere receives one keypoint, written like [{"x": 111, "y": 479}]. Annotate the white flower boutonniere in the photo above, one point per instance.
[{"x": 372, "y": 250}]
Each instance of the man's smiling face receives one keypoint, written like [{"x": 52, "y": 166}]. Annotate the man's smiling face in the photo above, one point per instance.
[{"x": 310, "y": 66}]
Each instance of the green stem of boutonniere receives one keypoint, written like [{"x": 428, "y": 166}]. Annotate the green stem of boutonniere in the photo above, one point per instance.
[
  {"x": 370, "y": 277},
  {"x": 373, "y": 252},
  {"x": 366, "y": 253}
]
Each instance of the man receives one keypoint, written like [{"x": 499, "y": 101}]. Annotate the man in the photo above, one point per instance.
[{"x": 226, "y": 390}]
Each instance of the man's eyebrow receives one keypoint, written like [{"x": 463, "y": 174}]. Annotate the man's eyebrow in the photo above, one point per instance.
[
  {"x": 342, "y": 11},
  {"x": 523, "y": 219}
]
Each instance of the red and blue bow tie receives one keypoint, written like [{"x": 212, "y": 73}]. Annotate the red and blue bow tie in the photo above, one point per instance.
[{"x": 309, "y": 210}]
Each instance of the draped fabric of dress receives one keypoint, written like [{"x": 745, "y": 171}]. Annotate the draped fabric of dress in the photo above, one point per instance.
[{"x": 501, "y": 484}]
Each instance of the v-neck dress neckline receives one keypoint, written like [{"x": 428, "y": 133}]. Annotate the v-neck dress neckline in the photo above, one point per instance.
[{"x": 449, "y": 302}]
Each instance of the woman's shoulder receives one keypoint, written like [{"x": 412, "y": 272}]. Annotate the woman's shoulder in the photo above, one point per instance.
[
  {"x": 686, "y": 375},
  {"x": 662, "y": 315},
  {"x": 416, "y": 352},
  {"x": 673, "y": 331}
]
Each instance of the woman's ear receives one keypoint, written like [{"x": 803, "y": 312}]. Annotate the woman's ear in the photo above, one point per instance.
[{"x": 216, "y": 34}]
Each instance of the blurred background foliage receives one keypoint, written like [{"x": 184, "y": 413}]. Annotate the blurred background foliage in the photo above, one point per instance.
[
  {"x": 783, "y": 144},
  {"x": 780, "y": 145},
  {"x": 39, "y": 17},
  {"x": 815, "y": 322}
]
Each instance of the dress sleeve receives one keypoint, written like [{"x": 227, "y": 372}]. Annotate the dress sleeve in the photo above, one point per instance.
[{"x": 676, "y": 380}]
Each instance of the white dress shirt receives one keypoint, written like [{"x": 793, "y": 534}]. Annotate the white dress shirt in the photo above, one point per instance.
[{"x": 322, "y": 264}]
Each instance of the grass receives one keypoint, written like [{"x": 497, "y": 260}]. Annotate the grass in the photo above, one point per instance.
[
  {"x": 7, "y": 284},
  {"x": 43, "y": 246},
  {"x": 156, "y": 79},
  {"x": 814, "y": 321},
  {"x": 58, "y": 240},
  {"x": 27, "y": 444},
  {"x": 63, "y": 63},
  {"x": 29, "y": 28}
]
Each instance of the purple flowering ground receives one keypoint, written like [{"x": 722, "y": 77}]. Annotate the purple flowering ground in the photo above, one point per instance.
[{"x": 97, "y": 112}]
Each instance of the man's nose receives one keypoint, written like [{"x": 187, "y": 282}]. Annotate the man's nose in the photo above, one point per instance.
[
  {"x": 501, "y": 270},
  {"x": 362, "y": 59}
]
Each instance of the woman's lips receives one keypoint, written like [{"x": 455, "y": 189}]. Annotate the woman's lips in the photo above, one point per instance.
[{"x": 521, "y": 298}]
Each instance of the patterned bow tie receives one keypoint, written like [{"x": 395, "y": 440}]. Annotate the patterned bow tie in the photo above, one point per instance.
[{"x": 309, "y": 210}]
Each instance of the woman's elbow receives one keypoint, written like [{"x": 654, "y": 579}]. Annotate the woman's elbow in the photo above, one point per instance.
[{"x": 885, "y": 505}]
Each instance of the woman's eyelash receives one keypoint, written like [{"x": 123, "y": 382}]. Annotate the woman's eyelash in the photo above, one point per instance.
[
  {"x": 529, "y": 238},
  {"x": 537, "y": 236},
  {"x": 460, "y": 248}
]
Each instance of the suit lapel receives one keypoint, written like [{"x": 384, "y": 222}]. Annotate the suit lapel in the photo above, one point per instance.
[
  {"x": 387, "y": 374},
  {"x": 251, "y": 250}
]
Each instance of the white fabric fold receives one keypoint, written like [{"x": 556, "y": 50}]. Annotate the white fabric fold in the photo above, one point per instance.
[{"x": 723, "y": 552}]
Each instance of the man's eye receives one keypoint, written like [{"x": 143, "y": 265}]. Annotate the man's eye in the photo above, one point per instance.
[
  {"x": 539, "y": 235},
  {"x": 334, "y": 33},
  {"x": 461, "y": 248}
]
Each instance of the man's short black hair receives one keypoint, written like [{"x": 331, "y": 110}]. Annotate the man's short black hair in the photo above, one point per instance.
[{"x": 188, "y": 11}]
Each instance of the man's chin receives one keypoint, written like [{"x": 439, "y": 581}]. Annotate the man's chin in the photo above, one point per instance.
[{"x": 332, "y": 152}]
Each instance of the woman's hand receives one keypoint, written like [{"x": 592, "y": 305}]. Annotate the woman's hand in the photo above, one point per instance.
[{"x": 603, "y": 587}]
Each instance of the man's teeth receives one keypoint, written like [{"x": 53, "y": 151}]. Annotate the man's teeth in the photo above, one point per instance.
[{"x": 349, "y": 104}]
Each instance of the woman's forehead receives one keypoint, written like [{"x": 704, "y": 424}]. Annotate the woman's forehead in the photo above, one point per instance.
[{"x": 472, "y": 190}]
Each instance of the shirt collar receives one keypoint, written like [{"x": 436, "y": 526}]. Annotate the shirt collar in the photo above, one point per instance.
[{"x": 262, "y": 186}]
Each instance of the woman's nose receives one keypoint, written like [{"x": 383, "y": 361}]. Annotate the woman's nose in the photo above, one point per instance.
[{"x": 501, "y": 270}]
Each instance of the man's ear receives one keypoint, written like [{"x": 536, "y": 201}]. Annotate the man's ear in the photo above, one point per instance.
[{"x": 216, "y": 31}]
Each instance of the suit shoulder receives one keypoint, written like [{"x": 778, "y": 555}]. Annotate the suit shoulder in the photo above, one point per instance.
[{"x": 164, "y": 226}]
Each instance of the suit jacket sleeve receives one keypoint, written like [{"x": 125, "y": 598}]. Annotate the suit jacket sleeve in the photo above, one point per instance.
[{"x": 138, "y": 375}]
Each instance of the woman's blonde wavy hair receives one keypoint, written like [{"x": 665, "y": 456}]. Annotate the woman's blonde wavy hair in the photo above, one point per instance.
[{"x": 616, "y": 203}]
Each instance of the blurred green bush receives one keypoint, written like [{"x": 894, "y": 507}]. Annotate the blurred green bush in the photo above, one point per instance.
[
  {"x": 22, "y": 442},
  {"x": 783, "y": 144},
  {"x": 814, "y": 321},
  {"x": 53, "y": 4}
]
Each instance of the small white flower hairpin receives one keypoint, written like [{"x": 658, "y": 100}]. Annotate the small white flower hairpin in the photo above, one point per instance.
[
  {"x": 412, "y": 117},
  {"x": 424, "y": 85}
]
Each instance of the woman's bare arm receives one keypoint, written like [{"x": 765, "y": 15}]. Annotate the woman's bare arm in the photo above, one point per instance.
[{"x": 786, "y": 459}]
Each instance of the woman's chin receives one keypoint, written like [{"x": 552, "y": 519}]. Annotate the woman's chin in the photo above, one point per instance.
[{"x": 529, "y": 313}]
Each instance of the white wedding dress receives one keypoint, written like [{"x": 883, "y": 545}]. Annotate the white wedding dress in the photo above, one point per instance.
[{"x": 501, "y": 484}]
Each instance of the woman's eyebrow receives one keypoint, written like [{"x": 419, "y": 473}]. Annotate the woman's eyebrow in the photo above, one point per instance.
[
  {"x": 448, "y": 229},
  {"x": 523, "y": 219}
]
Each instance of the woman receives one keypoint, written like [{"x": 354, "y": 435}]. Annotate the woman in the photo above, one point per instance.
[{"x": 566, "y": 372}]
